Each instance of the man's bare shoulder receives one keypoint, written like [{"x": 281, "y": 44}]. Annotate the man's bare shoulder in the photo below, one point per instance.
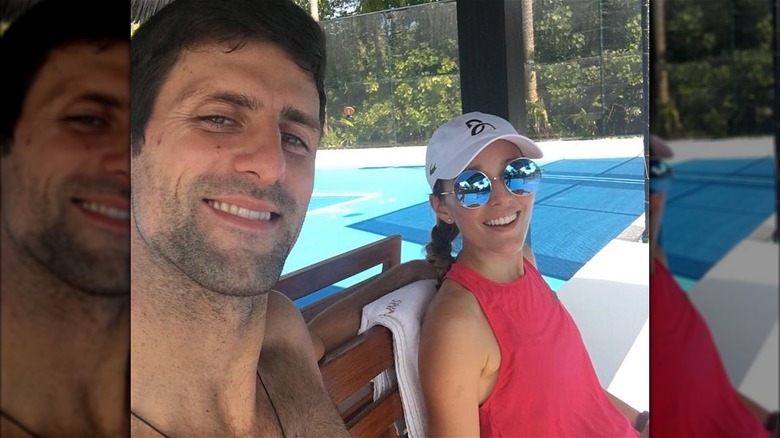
[
  {"x": 282, "y": 305},
  {"x": 284, "y": 320},
  {"x": 286, "y": 333},
  {"x": 11, "y": 430},
  {"x": 293, "y": 377}
]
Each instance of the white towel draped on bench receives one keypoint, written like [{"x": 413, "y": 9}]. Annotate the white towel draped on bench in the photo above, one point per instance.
[{"x": 401, "y": 311}]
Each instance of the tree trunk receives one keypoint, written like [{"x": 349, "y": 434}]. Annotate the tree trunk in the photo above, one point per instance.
[
  {"x": 528, "y": 50},
  {"x": 664, "y": 118},
  {"x": 315, "y": 10},
  {"x": 658, "y": 28}
]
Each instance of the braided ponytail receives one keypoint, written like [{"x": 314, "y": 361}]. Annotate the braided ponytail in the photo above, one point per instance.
[{"x": 439, "y": 249}]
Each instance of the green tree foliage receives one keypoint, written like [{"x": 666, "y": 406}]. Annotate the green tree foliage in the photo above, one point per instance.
[
  {"x": 398, "y": 70},
  {"x": 589, "y": 67},
  {"x": 366, "y": 6},
  {"x": 719, "y": 61},
  {"x": 343, "y": 8}
]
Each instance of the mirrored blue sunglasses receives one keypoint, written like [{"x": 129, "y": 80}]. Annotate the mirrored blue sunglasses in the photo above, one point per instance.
[
  {"x": 472, "y": 187},
  {"x": 660, "y": 176}
]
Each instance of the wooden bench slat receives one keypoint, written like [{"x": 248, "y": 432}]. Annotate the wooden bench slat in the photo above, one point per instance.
[
  {"x": 357, "y": 401},
  {"x": 350, "y": 367},
  {"x": 379, "y": 418},
  {"x": 304, "y": 281},
  {"x": 347, "y": 371}
]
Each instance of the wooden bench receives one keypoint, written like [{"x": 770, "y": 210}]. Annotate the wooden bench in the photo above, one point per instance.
[
  {"x": 347, "y": 373},
  {"x": 348, "y": 370},
  {"x": 305, "y": 281}
]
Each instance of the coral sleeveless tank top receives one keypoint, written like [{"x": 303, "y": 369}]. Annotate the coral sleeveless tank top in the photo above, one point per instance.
[
  {"x": 546, "y": 385},
  {"x": 691, "y": 394}
]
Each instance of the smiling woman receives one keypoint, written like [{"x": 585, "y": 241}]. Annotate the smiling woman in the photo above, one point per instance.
[{"x": 494, "y": 320}]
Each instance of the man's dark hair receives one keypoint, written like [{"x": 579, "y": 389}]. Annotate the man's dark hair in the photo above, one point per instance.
[
  {"x": 45, "y": 26},
  {"x": 185, "y": 24}
]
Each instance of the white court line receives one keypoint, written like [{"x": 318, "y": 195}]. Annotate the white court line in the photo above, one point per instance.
[
  {"x": 554, "y": 150},
  {"x": 340, "y": 207},
  {"x": 724, "y": 179},
  {"x": 594, "y": 178}
]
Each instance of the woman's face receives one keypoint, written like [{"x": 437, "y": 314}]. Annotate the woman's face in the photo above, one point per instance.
[{"x": 501, "y": 225}]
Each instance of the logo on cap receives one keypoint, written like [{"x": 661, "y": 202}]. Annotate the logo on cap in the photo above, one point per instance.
[
  {"x": 433, "y": 169},
  {"x": 478, "y": 126}
]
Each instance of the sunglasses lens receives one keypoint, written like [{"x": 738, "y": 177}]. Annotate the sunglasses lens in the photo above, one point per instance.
[
  {"x": 659, "y": 169},
  {"x": 522, "y": 177},
  {"x": 472, "y": 189},
  {"x": 660, "y": 176}
]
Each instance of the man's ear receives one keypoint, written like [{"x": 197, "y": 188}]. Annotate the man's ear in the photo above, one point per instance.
[{"x": 441, "y": 209}]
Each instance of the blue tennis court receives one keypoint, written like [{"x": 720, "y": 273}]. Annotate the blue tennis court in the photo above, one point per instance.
[
  {"x": 581, "y": 206},
  {"x": 712, "y": 205}
]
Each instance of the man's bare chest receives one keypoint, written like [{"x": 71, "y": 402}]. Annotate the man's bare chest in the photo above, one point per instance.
[{"x": 297, "y": 396}]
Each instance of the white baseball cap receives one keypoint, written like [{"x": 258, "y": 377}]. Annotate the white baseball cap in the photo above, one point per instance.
[{"x": 454, "y": 144}]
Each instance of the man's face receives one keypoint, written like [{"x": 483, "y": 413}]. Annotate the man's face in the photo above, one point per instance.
[
  {"x": 65, "y": 181},
  {"x": 223, "y": 180}
]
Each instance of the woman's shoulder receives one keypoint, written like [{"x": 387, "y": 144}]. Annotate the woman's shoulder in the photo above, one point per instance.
[
  {"x": 454, "y": 324},
  {"x": 455, "y": 306}
]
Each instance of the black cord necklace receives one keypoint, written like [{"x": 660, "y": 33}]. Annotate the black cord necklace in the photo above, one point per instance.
[
  {"x": 143, "y": 420},
  {"x": 276, "y": 413},
  {"x": 18, "y": 424}
]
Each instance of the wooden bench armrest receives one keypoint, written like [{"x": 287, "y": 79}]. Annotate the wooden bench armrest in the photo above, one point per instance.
[
  {"x": 304, "y": 281},
  {"x": 347, "y": 372},
  {"x": 352, "y": 365}
]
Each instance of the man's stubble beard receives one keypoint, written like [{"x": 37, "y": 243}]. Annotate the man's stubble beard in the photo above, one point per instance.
[
  {"x": 106, "y": 273},
  {"x": 241, "y": 272},
  {"x": 234, "y": 272},
  {"x": 54, "y": 245}
]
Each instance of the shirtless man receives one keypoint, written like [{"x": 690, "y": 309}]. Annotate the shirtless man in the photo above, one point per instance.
[
  {"x": 227, "y": 112},
  {"x": 65, "y": 281}
]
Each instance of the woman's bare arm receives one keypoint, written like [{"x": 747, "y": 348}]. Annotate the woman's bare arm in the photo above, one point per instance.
[
  {"x": 452, "y": 355},
  {"x": 341, "y": 320}
]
